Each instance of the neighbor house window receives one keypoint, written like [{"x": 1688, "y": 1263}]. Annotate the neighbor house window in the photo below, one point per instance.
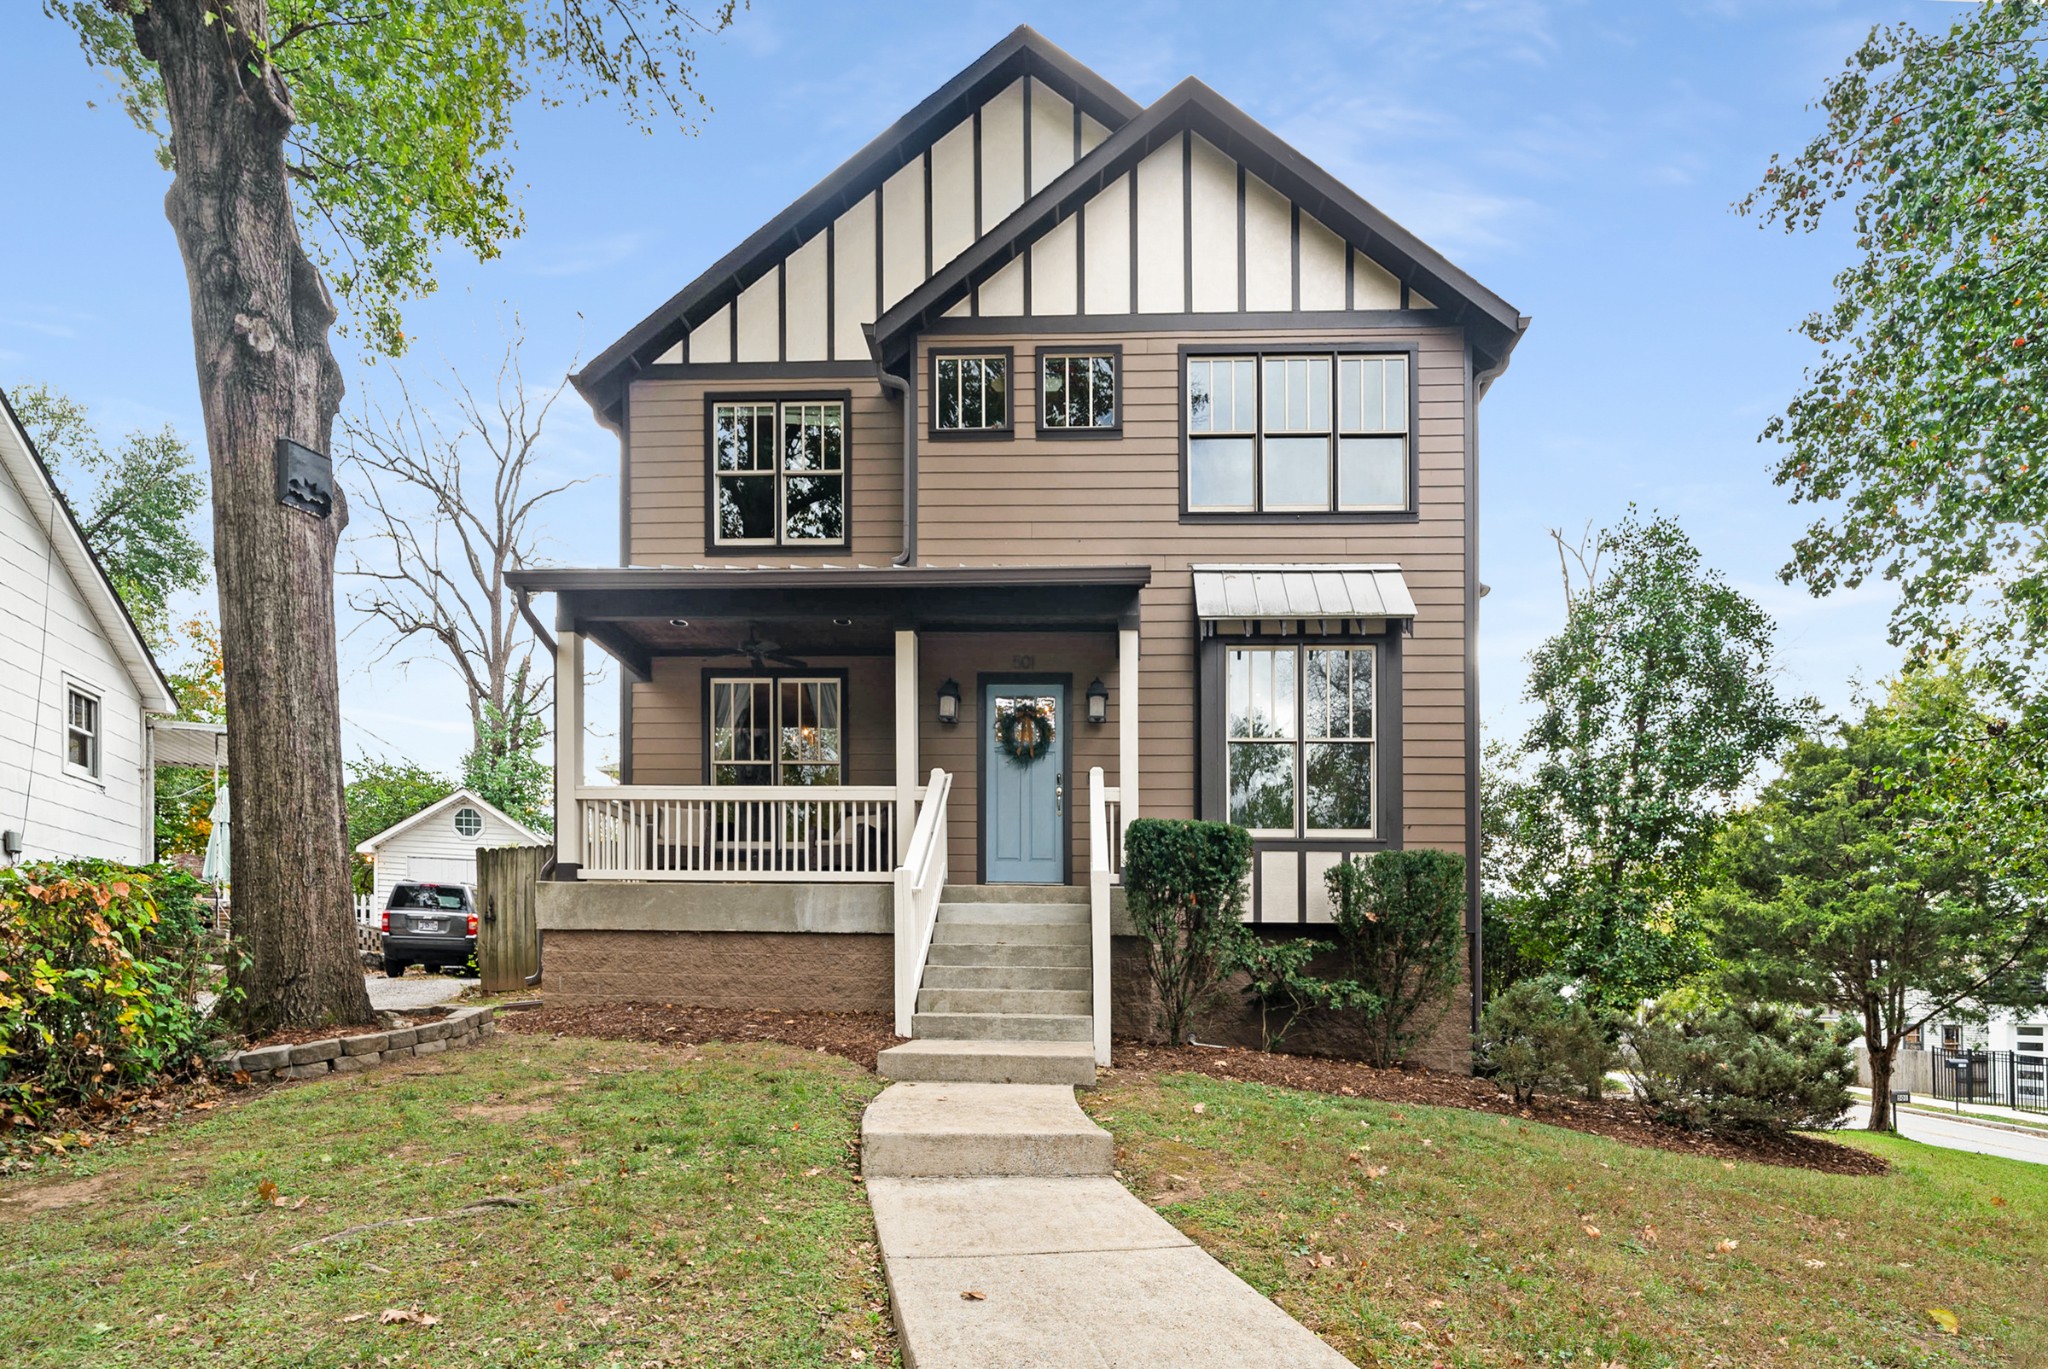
[
  {"x": 1299, "y": 742},
  {"x": 1077, "y": 392},
  {"x": 82, "y": 732},
  {"x": 776, "y": 729},
  {"x": 468, "y": 822},
  {"x": 779, "y": 473},
  {"x": 971, "y": 393},
  {"x": 1314, "y": 433}
]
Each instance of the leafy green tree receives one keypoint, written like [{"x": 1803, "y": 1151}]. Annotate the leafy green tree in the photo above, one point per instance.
[
  {"x": 505, "y": 766},
  {"x": 383, "y": 794},
  {"x": 1655, "y": 704},
  {"x": 1852, "y": 885},
  {"x": 134, "y": 503},
  {"x": 310, "y": 146},
  {"x": 1920, "y": 429}
]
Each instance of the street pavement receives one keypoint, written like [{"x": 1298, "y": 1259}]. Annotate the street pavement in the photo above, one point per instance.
[
  {"x": 1953, "y": 1134},
  {"x": 415, "y": 990}
]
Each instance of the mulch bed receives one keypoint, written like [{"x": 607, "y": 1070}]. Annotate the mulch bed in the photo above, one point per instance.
[
  {"x": 1616, "y": 1119},
  {"x": 858, "y": 1036},
  {"x": 299, "y": 1036}
]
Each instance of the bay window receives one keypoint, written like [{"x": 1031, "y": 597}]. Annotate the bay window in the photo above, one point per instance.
[{"x": 1299, "y": 739}]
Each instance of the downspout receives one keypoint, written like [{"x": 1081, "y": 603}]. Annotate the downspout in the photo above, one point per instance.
[{"x": 901, "y": 389}]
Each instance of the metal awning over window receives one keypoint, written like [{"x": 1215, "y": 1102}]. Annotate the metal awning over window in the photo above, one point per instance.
[{"x": 1301, "y": 598}]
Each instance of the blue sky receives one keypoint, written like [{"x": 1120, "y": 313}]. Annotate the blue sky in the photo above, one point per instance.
[{"x": 1581, "y": 159}]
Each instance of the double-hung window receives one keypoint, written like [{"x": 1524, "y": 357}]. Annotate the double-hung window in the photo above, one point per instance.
[
  {"x": 1300, "y": 739},
  {"x": 1077, "y": 392},
  {"x": 776, "y": 729},
  {"x": 1291, "y": 434},
  {"x": 778, "y": 470},
  {"x": 971, "y": 392},
  {"x": 81, "y": 732}
]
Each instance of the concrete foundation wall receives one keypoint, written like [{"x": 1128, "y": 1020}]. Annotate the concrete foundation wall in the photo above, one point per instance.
[
  {"x": 775, "y": 971},
  {"x": 693, "y": 906}
]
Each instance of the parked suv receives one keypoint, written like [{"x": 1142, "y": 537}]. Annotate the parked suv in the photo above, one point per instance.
[{"x": 429, "y": 924}]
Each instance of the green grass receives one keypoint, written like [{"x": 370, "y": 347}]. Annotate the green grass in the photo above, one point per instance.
[
  {"x": 1472, "y": 1248},
  {"x": 685, "y": 1210}
]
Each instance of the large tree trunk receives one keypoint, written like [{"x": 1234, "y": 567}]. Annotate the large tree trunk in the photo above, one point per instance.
[
  {"x": 260, "y": 319},
  {"x": 1881, "y": 1062}
]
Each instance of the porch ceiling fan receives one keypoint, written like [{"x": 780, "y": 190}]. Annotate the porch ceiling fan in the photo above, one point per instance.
[{"x": 758, "y": 651}]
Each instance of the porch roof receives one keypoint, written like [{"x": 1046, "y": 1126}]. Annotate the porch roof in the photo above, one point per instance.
[{"x": 639, "y": 612}]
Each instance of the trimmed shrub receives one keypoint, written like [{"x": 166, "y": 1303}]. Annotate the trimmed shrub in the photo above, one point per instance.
[
  {"x": 1281, "y": 986},
  {"x": 1533, "y": 1037},
  {"x": 100, "y": 965},
  {"x": 1400, "y": 921},
  {"x": 1184, "y": 886},
  {"x": 1747, "y": 1068}
]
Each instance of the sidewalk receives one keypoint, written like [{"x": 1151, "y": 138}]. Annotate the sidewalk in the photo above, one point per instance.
[
  {"x": 1964, "y": 1133},
  {"x": 1008, "y": 1245}
]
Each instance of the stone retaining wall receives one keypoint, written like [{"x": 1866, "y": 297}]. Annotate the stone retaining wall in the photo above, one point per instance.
[{"x": 364, "y": 1050}]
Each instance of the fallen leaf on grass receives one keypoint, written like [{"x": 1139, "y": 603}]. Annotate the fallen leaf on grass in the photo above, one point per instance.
[
  {"x": 1375, "y": 1171},
  {"x": 856, "y": 1354},
  {"x": 813, "y": 1172},
  {"x": 619, "y": 1273},
  {"x": 267, "y": 1191},
  {"x": 355, "y": 1316},
  {"x": 1724, "y": 1246},
  {"x": 1591, "y": 1230},
  {"x": 1815, "y": 1264},
  {"x": 1945, "y": 1319},
  {"x": 408, "y": 1316},
  {"x": 969, "y": 1295},
  {"x": 1201, "y": 1107},
  {"x": 1649, "y": 1234}
]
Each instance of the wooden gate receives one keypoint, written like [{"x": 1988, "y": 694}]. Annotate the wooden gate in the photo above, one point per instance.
[{"x": 507, "y": 941}]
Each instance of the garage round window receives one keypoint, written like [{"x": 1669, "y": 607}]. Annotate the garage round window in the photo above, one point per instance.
[{"x": 468, "y": 822}]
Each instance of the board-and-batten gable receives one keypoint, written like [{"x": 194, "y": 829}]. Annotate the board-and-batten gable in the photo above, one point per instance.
[
  {"x": 816, "y": 303},
  {"x": 803, "y": 288},
  {"x": 1193, "y": 209}
]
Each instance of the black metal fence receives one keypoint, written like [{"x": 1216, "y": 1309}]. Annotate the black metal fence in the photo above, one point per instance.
[{"x": 2006, "y": 1079}]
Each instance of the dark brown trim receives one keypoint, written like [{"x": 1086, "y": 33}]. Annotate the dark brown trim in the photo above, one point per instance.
[
  {"x": 1243, "y": 250},
  {"x": 982, "y": 681},
  {"x": 775, "y": 679},
  {"x": 782, "y": 309},
  {"x": 933, "y": 432},
  {"x": 711, "y": 400},
  {"x": 832, "y": 291},
  {"x": 1187, "y": 222},
  {"x": 625, "y": 730},
  {"x": 1406, "y": 321},
  {"x": 807, "y": 579},
  {"x": 813, "y": 371},
  {"x": 1408, "y": 346},
  {"x": 1115, "y": 352},
  {"x": 626, "y": 479}
]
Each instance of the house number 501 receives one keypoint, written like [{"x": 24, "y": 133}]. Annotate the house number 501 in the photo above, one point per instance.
[{"x": 1023, "y": 662}]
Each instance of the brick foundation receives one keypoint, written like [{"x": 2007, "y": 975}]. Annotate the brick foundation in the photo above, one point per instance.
[{"x": 775, "y": 971}]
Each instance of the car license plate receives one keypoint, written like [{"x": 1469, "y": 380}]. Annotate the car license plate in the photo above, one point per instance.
[{"x": 427, "y": 924}]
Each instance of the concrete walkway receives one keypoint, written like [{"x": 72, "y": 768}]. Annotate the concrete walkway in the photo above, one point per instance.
[{"x": 1008, "y": 1245}]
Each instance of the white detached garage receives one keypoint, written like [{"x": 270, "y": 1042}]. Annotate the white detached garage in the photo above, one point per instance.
[{"x": 438, "y": 844}]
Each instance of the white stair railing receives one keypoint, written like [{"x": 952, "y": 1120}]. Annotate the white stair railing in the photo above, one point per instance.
[
  {"x": 920, "y": 879},
  {"x": 1103, "y": 861}
]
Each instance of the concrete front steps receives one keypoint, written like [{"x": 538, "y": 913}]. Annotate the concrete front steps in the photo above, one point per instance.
[
  {"x": 1071, "y": 1063},
  {"x": 946, "y": 1130},
  {"x": 1008, "y": 962}
]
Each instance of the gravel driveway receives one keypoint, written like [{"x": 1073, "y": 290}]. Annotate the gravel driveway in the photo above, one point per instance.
[{"x": 415, "y": 990}]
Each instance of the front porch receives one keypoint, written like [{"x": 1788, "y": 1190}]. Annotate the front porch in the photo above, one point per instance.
[{"x": 798, "y": 740}]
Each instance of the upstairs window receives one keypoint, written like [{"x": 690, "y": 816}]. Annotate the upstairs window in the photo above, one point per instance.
[
  {"x": 778, "y": 470},
  {"x": 81, "y": 733},
  {"x": 1314, "y": 433},
  {"x": 1077, "y": 392},
  {"x": 971, "y": 392}
]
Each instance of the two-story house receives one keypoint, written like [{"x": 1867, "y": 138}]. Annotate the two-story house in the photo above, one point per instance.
[{"x": 1053, "y": 462}]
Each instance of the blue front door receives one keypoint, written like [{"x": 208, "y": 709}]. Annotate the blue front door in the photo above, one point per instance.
[{"x": 1024, "y": 782}]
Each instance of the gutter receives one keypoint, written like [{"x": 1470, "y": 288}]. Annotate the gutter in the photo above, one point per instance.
[{"x": 901, "y": 388}]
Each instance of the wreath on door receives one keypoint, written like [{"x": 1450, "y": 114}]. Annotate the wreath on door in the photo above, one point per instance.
[{"x": 1024, "y": 731}]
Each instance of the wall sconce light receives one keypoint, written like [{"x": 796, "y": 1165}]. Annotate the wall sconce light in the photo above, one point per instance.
[
  {"x": 949, "y": 702},
  {"x": 1098, "y": 701}
]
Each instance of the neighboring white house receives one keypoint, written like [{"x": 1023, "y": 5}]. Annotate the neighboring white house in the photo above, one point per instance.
[
  {"x": 438, "y": 844},
  {"x": 77, "y": 682}
]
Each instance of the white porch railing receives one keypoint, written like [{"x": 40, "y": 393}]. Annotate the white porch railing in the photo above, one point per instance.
[
  {"x": 828, "y": 833},
  {"x": 919, "y": 881},
  {"x": 1105, "y": 860}
]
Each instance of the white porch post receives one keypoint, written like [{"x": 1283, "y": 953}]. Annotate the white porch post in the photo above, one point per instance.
[
  {"x": 1127, "y": 723},
  {"x": 569, "y": 748},
  {"x": 906, "y": 740}
]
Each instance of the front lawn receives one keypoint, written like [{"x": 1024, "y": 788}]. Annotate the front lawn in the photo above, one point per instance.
[
  {"x": 1418, "y": 1236},
  {"x": 672, "y": 1207}
]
